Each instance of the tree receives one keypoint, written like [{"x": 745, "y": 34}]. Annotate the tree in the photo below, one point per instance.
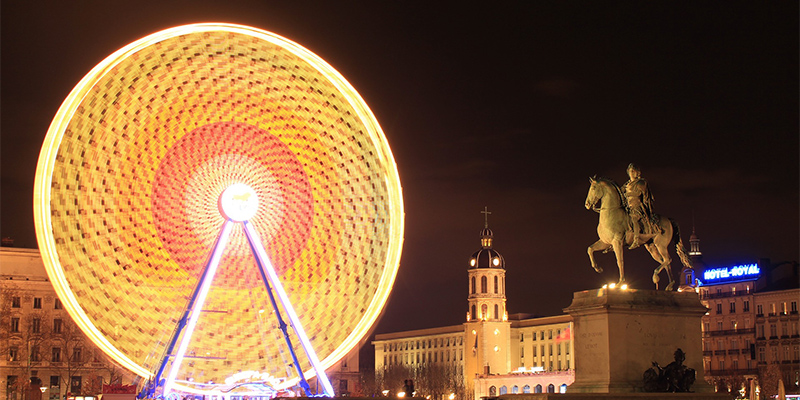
[{"x": 768, "y": 377}]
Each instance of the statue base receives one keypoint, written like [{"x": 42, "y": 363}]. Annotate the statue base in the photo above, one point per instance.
[{"x": 619, "y": 334}]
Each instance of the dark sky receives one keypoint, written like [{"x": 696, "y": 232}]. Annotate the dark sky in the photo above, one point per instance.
[{"x": 511, "y": 106}]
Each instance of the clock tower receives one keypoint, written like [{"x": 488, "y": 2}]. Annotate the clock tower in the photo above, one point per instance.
[{"x": 487, "y": 330}]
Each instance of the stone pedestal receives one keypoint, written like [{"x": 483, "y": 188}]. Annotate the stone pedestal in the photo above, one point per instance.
[{"x": 619, "y": 333}]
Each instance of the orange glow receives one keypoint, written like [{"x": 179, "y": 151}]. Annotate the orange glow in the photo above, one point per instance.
[{"x": 127, "y": 183}]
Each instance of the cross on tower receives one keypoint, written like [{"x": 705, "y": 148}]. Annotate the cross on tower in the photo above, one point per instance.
[{"x": 486, "y": 213}]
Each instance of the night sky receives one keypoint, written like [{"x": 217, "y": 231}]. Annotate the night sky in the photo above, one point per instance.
[{"x": 511, "y": 107}]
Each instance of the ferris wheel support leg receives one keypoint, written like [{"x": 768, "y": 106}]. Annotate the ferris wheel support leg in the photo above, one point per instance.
[
  {"x": 284, "y": 328},
  {"x": 195, "y": 306},
  {"x": 267, "y": 271}
]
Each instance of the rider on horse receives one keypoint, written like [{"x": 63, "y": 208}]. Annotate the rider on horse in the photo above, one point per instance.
[{"x": 640, "y": 204}]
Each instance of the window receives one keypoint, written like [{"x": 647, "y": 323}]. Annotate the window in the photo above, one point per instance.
[
  {"x": 773, "y": 331},
  {"x": 484, "y": 285},
  {"x": 559, "y": 365},
  {"x": 719, "y": 308},
  {"x": 15, "y": 302},
  {"x": 526, "y": 389},
  {"x": 794, "y": 306},
  {"x": 57, "y": 304},
  {"x": 495, "y": 285},
  {"x": 734, "y": 325},
  {"x": 551, "y": 388},
  {"x": 746, "y": 306},
  {"x": 722, "y": 365},
  {"x": 775, "y": 354},
  {"x": 733, "y": 307},
  {"x": 492, "y": 391},
  {"x": 706, "y": 326},
  {"x": 761, "y": 330},
  {"x": 15, "y": 325},
  {"x": 558, "y": 350},
  {"x": 35, "y": 356},
  {"x": 484, "y": 311},
  {"x": 534, "y": 351},
  {"x": 13, "y": 354},
  {"x": 55, "y": 381},
  {"x": 537, "y": 389},
  {"x": 762, "y": 355},
  {"x": 521, "y": 337},
  {"x": 473, "y": 314},
  {"x": 77, "y": 354},
  {"x": 503, "y": 389},
  {"x": 759, "y": 309},
  {"x": 56, "y": 354},
  {"x": 36, "y": 325},
  {"x": 550, "y": 334},
  {"x": 37, "y": 302},
  {"x": 58, "y": 325},
  {"x": 522, "y": 352},
  {"x": 566, "y": 348},
  {"x": 720, "y": 345},
  {"x": 496, "y": 311},
  {"x": 785, "y": 329},
  {"x": 567, "y": 364},
  {"x": 473, "y": 285},
  {"x": 515, "y": 389},
  {"x": 541, "y": 335}
]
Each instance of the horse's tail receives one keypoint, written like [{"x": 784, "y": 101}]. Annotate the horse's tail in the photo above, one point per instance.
[{"x": 676, "y": 237}]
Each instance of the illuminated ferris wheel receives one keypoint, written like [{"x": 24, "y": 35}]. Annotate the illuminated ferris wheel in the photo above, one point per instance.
[{"x": 218, "y": 209}]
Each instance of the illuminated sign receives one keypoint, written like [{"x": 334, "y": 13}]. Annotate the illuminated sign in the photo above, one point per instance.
[{"x": 731, "y": 274}]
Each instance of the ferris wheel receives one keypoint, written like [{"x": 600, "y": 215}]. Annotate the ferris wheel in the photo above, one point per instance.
[{"x": 217, "y": 207}]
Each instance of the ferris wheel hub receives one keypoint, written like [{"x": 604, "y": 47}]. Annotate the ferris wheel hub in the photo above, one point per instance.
[{"x": 238, "y": 202}]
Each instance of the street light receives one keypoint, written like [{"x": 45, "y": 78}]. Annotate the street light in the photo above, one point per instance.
[{"x": 43, "y": 388}]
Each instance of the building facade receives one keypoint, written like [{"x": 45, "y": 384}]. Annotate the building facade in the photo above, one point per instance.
[
  {"x": 39, "y": 343},
  {"x": 752, "y": 326},
  {"x": 490, "y": 354}
]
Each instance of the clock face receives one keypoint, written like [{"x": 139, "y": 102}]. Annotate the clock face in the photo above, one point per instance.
[{"x": 175, "y": 133}]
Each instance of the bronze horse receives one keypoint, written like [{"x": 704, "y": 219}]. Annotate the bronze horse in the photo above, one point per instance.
[{"x": 615, "y": 232}]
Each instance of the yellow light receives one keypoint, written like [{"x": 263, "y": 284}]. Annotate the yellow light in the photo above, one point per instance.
[
  {"x": 451, "y": 396},
  {"x": 496, "y": 348},
  {"x": 474, "y": 332},
  {"x": 472, "y": 262},
  {"x": 612, "y": 285},
  {"x": 401, "y": 394},
  {"x": 496, "y": 261},
  {"x": 58, "y": 252},
  {"x": 624, "y": 286},
  {"x": 605, "y": 286},
  {"x": 497, "y": 331}
]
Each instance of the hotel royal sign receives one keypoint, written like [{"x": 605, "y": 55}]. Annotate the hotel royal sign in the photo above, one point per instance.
[{"x": 738, "y": 273}]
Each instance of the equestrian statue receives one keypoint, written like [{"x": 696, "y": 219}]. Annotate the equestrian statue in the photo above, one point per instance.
[{"x": 627, "y": 218}]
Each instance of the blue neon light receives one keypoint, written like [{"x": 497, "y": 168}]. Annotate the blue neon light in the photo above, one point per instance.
[{"x": 736, "y": 273}]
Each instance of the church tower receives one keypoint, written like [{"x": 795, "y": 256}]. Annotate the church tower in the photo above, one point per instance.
[{"x": 487, "y": 344}]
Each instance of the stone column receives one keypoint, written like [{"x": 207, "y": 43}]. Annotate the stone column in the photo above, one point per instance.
[{"x": 619, "y": 333}]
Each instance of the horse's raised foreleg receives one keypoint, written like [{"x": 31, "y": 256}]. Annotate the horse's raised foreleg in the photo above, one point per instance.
[
  {"x": 597, "y": 246},
  {"x": 618, "y": 249}
]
